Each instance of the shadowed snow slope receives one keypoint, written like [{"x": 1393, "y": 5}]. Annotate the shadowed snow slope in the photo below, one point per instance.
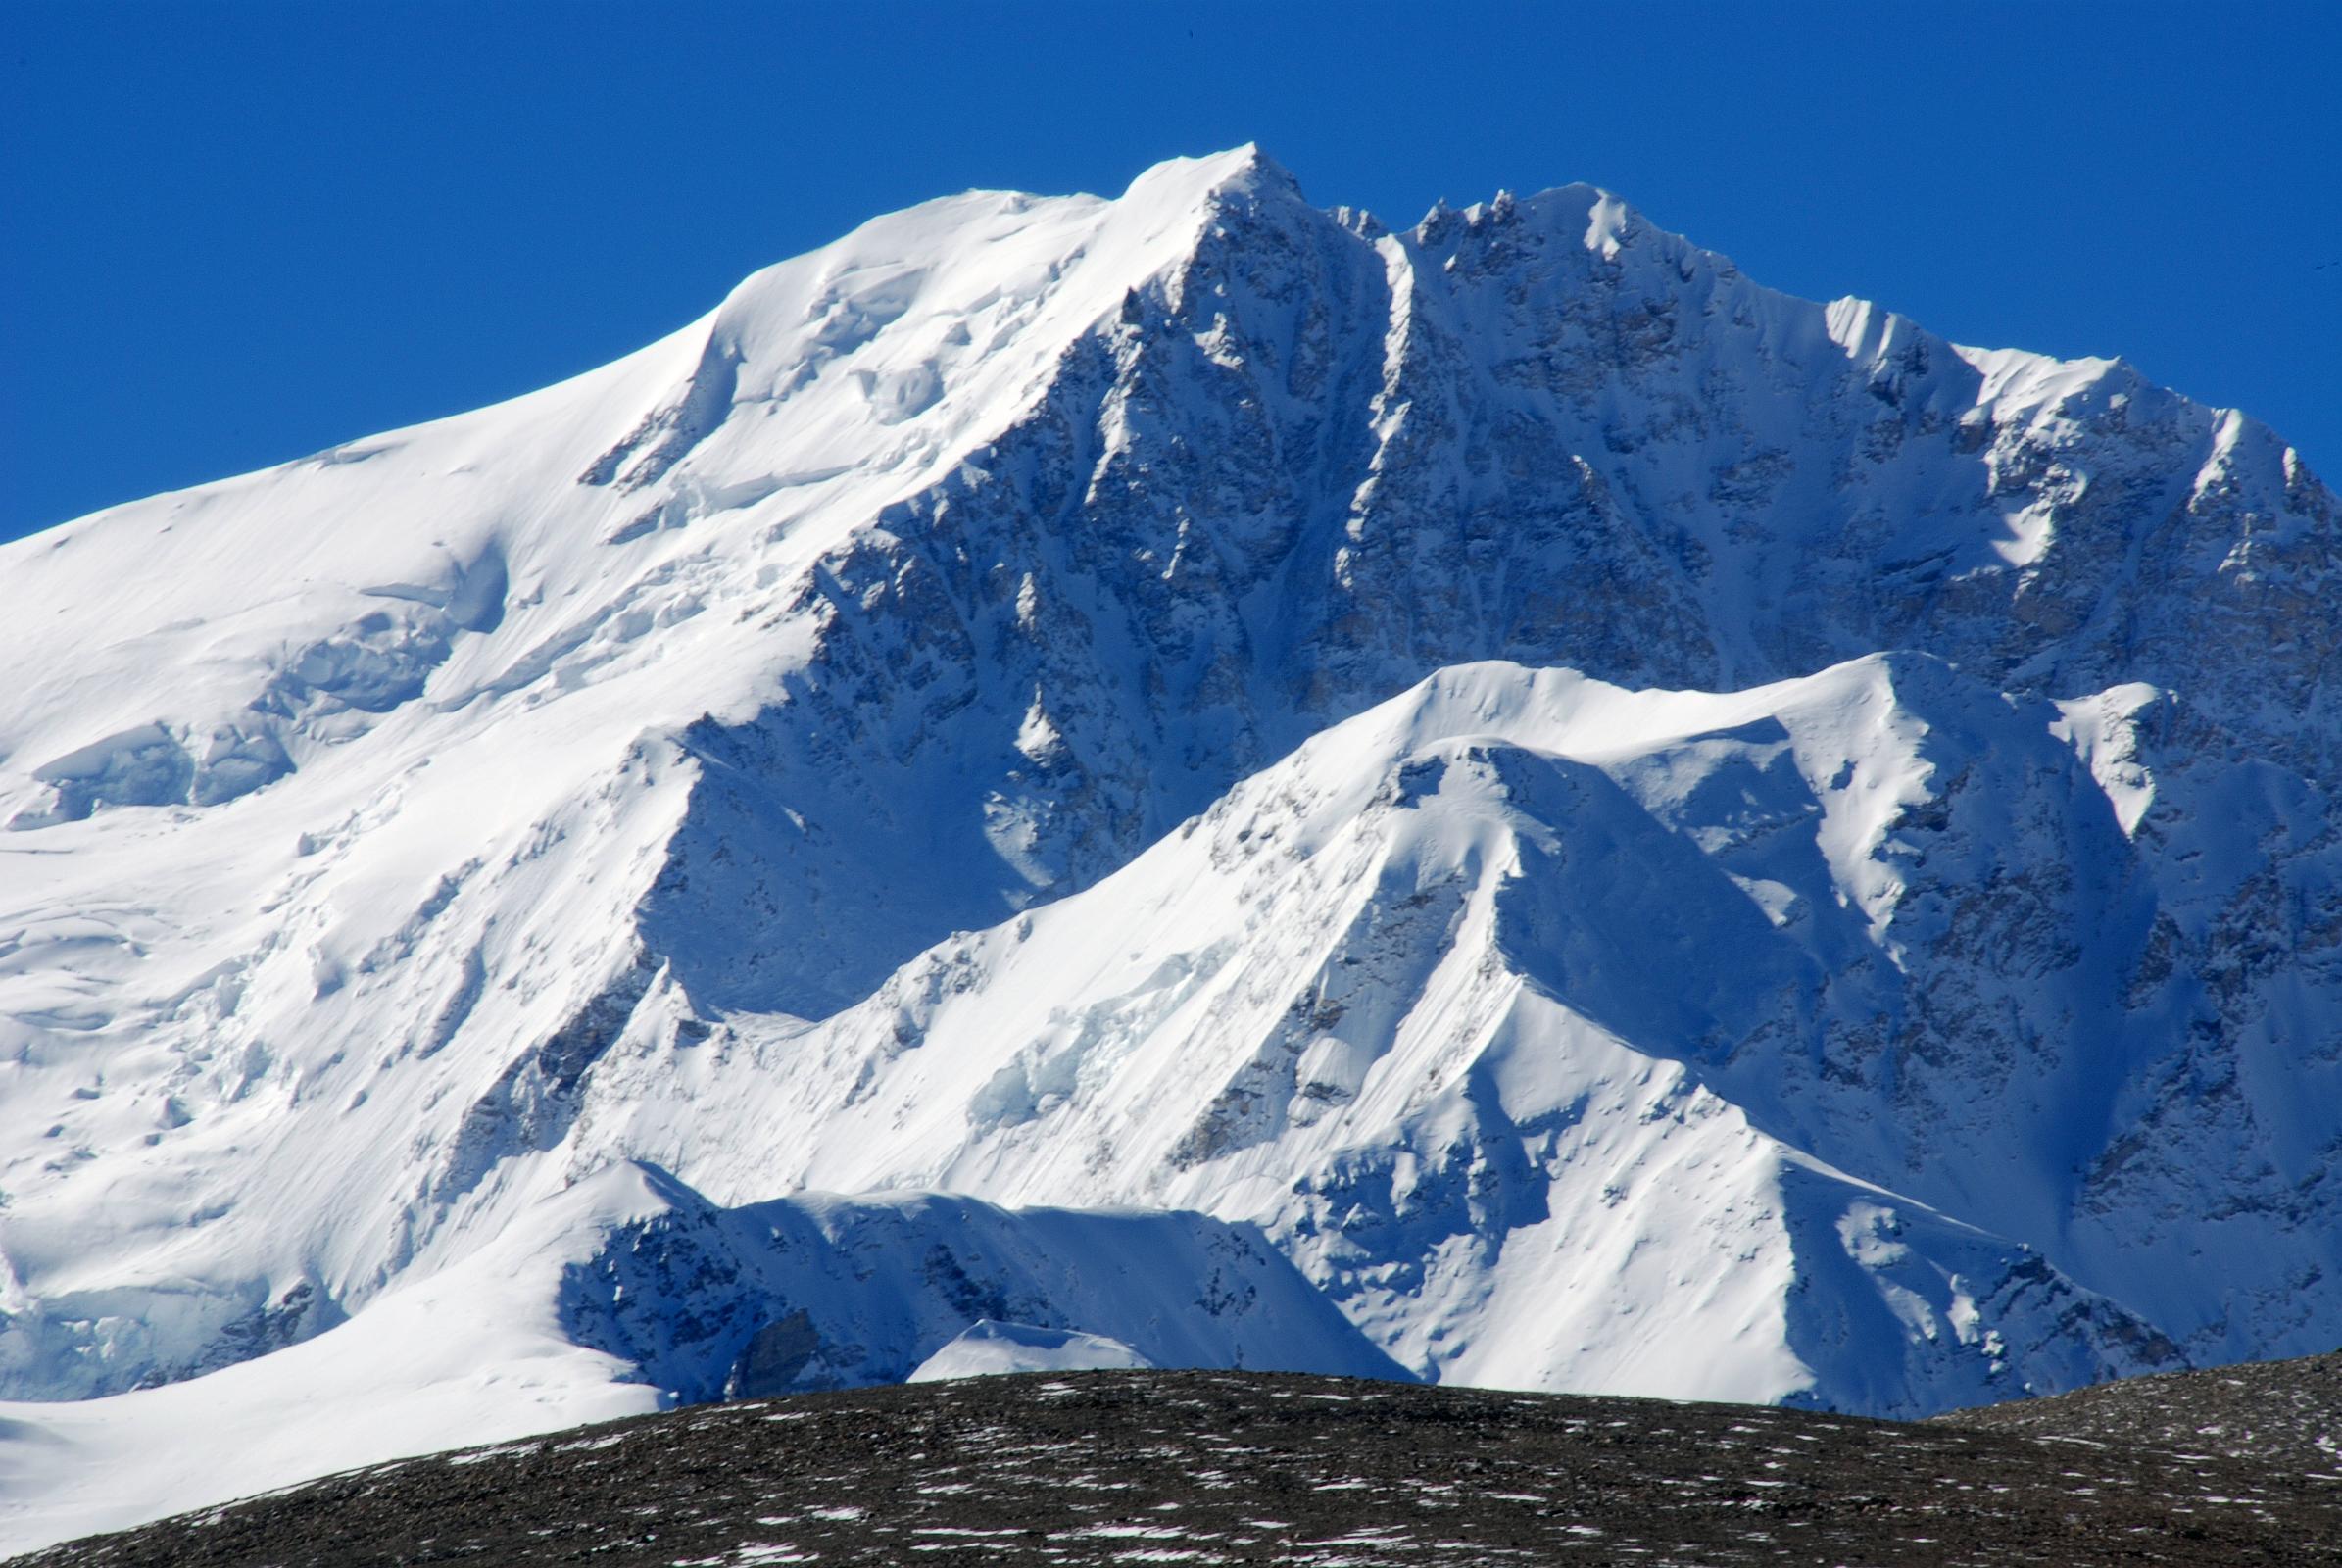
[{"x": 1006, "y": 707}]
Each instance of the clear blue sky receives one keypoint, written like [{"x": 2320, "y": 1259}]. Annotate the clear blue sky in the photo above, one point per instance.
[{"x": 232, "y": 235}]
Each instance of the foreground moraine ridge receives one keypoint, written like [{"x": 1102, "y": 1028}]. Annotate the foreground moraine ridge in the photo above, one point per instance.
[
  {"x": 2286, "y": 1414},
  {"x": 1231, "y": 1467}
]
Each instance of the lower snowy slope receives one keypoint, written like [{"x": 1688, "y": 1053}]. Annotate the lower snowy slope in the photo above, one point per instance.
[
  {"x": 625, "y": 1291},
  {"x": 1563, "y": 1035},
  {"x": 1523, "y": 1030}
]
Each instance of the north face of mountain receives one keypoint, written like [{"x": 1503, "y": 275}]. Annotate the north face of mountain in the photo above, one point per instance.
[{"x": 1643, "y": 834}]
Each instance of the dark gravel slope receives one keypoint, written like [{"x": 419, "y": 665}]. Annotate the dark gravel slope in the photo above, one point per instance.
[
  {"x": 1212, "y": 1467},
  {"x": 2277, "y": 1412}
]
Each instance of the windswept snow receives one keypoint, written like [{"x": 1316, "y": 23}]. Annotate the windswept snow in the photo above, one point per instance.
[
  {"x": 988, "y": 1349},
  {"x": 1491, "y": 802}
]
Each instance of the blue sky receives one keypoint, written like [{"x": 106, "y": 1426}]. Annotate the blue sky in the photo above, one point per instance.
[{"x": 235, "y": 233}]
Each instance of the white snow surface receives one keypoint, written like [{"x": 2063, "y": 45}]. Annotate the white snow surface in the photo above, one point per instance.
[
  {"x": 985, "y": 1348},
  {"x": 1493, "y": 802}
]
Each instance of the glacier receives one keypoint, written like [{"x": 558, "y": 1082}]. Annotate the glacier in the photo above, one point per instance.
[{"x": 1492, "y": 802}]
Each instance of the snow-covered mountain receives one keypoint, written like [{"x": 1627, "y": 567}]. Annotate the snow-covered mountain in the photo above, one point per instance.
[{"x": 1495, "y": 801}]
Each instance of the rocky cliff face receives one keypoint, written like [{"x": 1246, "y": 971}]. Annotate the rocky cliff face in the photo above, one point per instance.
[{"x": 1000, "y": 706}]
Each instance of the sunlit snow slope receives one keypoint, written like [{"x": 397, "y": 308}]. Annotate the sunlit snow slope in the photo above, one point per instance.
[{"x": 1494, "y": 801}]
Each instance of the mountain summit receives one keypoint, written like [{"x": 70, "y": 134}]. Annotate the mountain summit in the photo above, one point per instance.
[{"x": 1493, "y": 802}]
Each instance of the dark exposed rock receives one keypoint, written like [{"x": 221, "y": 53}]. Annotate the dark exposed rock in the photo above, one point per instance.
[
  {"x": 2277, "y": 1412},
  {"x": 1221, "y": 1467}
]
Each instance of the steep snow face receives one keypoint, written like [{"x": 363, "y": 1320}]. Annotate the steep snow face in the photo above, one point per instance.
[
  {"x": 1540, "y": 1021},
  {"x": 478, "y": 680},
  {"x": 997, "y": 707}
]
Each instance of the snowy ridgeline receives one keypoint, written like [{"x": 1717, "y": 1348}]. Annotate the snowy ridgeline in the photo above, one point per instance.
[{"x": 1494, "y": 802}]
